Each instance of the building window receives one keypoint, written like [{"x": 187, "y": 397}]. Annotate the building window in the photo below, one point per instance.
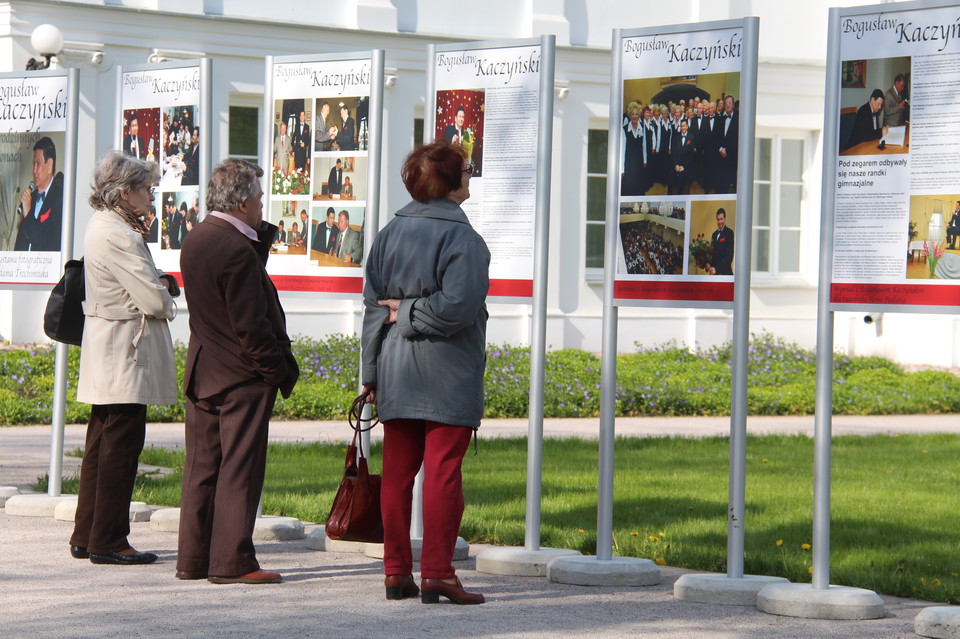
[
  {"x": 596, "y": 201},
  {"x": 244, "y": 132},
  {"x": 777, "y": 197},
  {"x": 417, "y": 132}
]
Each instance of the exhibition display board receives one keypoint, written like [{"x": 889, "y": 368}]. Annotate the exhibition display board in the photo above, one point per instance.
[
  {"x": 895, "y": 187},
  {"x": 679, "y": 132},
  {"x": 37, "y": 171},
  {"x": 164, "y": 116},
  {"x": 321, "y": 148},
  {"x": 487, "y": 97}
]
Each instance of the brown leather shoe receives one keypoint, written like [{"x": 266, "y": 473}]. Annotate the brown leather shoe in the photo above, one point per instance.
[
  {"x": 400, "y": 586},
  {"x": 432, "y": 589},
  {"x": 188, "y": 575},
  {"x": 255, "y": 577}
]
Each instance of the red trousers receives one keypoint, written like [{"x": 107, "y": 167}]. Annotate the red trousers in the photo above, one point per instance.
[{"x": 408, "y": 443}]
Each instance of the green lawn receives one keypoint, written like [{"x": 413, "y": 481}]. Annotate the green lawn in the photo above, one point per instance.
[{"x": 895, "y": 525}]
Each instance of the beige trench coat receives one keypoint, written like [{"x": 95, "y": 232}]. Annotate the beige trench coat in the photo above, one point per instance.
[{"x": 127, "y": 354}]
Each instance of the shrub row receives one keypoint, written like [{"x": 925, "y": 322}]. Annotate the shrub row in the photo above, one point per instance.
[{"x": 667, "y": 380}]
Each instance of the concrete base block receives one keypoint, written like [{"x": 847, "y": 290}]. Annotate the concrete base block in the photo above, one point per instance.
[
  {"x": 6, "y": 492},
  {"x": 834, "y": 602},
  {"x": 590, "y": 571},
  {"x": 67, "y": 511},
  {"x": 270, "y": 528},
  {"x": 35, "y": 505},
  {"x": 940, "y": 622},
  {"x": 318, "y": 540},
  {"x": 519, "y": 562},
  {"x": 721, "y": 589},
  {"x": 461, "y": 549},
  {"x": 165, "y": 520}
]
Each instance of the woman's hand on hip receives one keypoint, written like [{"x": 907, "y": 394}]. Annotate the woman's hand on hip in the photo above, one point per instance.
[{"x": 394, "y": 307}]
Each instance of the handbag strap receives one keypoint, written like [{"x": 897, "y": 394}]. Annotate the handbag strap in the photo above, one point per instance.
[{"x": 356, "y": 420}]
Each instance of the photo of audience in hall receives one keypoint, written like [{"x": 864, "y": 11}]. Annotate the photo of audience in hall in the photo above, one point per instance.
[
  {"x": 652, "y": 237},
  {"x": 680, "y": 135},
  {"x": 460, "y": 121},
  {"x": 933, "y": 238},
  {"x": 875, "y": 106}
]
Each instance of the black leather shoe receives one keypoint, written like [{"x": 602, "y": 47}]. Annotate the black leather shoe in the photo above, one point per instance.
[
  {"x": 120, "y": 559},
  {"x": 79, "y": 552}
]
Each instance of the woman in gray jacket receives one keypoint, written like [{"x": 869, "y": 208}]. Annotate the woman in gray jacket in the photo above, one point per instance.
[
  {"x": 424, "y": 341},
  {"x": 127, "y": 357}
]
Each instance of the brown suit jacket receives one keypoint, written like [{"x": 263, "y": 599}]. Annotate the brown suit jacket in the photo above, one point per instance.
[{"x": 238, "y": 332}]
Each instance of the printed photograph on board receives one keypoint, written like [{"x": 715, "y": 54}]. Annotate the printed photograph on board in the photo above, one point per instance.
[
  {"x": 292, "y": 219},
  {"x": 292, "y": 142},
  {"x": 712, "y": 237},
  {"x": 875, "y": 107},
  {"x": 681, "y": 135},
  {"x": 340, "y": 177},
  {"x": 933, "y": 237},
  {"x": 179, "y": 147},
  {"x": 341, "y": 125},
  {"x": 652, "y": 237},
  {"x": 31, "y": 191},
  {"x": 141, "y": 133},
  {"x": 181, "y": 212},
  {"x": 460, "y": 121}
]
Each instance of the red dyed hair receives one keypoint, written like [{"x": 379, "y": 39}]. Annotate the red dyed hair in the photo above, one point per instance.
[{"x": 433, "y": 170}]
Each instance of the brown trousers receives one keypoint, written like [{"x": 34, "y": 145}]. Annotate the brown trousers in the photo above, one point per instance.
[
  {"x": 115, "y": 435},
  {"x": 226, "y": 442}
]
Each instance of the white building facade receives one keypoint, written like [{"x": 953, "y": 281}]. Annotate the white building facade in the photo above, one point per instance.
[{"x": 238, "y": 34}]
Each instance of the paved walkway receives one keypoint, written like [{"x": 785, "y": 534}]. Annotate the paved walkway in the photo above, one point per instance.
[{"x": 46, "y": 593}]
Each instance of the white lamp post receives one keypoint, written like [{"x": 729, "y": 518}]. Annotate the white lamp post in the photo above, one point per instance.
[{"x": 47, "y": 40}]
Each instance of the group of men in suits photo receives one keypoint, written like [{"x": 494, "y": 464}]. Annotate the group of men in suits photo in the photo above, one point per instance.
[{"x": 679, "y": 145}]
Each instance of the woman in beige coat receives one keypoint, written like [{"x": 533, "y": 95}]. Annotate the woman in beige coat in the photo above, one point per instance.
[{"x": 126, "y": 359}]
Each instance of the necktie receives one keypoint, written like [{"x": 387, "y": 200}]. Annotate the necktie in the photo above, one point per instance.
[{"x": 36, "y": 212}]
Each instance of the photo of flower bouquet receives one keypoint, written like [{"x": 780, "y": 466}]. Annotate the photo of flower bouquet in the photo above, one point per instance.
[
  {"x": 701, "y": 251},
  {"x": 297, "y": 182}
]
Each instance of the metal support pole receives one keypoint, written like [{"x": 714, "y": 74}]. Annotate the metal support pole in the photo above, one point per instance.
[
  {"x": 608, "y": 363},
  {"x": 736, "y": 510},
  {"x": 58, "y": 421},
  {"x": 538, "y": 328},
  {"x": 824, "y": 393}
]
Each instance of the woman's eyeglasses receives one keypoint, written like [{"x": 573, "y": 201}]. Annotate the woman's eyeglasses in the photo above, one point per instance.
[{"x": 468, "y": 169}]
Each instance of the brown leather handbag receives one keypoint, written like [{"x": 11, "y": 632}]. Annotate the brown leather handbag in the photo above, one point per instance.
[{"x": 355, "y": 515}]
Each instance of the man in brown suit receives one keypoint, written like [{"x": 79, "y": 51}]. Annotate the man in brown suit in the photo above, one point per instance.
[{"x": 239, "y": 356}]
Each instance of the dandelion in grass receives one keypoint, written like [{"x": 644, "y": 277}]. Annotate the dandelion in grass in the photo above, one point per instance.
[
  {"x": 805, "y": 546},
  {"x": 810, "y": 569},
  {"x": 764, "y": 460},
  {"x": 779, "y": 543},
  {"x": 662, "y": 534},
  {"x": 936, "y": 582},
  {"x": 660, "y": 561},
  {"x": 654, "y": 539},
  {"x": 634, "y": 534},
  {"x": 581, "y": 531}
]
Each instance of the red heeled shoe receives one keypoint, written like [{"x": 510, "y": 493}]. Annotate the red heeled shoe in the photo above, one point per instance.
[
  {"x": 432, "y": 589},
  {"x": 400, "y": 586}
]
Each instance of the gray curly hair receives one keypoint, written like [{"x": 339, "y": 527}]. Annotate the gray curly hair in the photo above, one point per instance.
[
  {"x": 116, "y": 173},
  {"x": 232, "y": 182}
]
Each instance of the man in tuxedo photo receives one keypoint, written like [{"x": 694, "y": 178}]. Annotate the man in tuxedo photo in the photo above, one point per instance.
[
  {"x": 301, "y": 143},
  {"x": 41, "y": 208},
  {"x": 722, "y": 239},
  {"x": 349, "y": 245},
  {"x": 191, "y": 162},
  {"x": 454, "y": 132},
  {"x": 867, "y": 126},
  {"x": 133, "y": 144},
  {"x": 335, "y": 180},
  {"x": 153, "y": 224},
  {"x": 326, "y": 238}
]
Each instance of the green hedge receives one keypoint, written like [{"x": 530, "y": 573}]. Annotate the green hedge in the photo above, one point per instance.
[{"x": 666, "y": 380}]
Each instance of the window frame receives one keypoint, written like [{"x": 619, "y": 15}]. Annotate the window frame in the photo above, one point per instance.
[
  {"x": 246, "y": 101},
  {"x": 593, "y": 274},
  {"x": 774, "y": 276}
]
